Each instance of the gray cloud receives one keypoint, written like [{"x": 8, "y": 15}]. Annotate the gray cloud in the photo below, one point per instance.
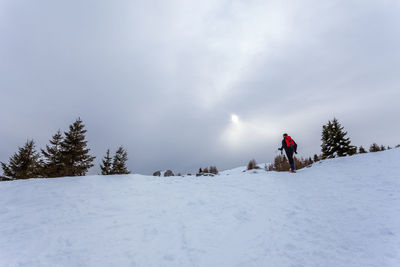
[{"x": 163, "y": 78}]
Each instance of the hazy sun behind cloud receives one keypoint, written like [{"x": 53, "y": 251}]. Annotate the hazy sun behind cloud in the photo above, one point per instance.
[{"x": 235, "y": 118}]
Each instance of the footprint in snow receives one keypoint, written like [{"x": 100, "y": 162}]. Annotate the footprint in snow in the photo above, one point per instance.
[
  {"x": 169, "y": 257},
  {"x": 242, "y": 216},
  {"x": 149, "y": 234}
]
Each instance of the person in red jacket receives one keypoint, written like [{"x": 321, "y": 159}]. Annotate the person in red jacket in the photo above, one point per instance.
[{"x": 290, "y": 147}]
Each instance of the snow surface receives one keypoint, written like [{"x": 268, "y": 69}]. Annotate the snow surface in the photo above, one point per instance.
[{"x": 341, "y": 212}]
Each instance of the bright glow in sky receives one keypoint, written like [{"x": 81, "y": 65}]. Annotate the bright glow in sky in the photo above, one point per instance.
[{"x": 235, "y": 118}]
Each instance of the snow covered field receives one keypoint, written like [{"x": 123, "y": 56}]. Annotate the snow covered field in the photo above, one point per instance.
[{"x": 342, "y": 212}]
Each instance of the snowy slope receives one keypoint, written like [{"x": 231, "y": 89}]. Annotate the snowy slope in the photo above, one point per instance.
[{"x": 342, "y": 212}]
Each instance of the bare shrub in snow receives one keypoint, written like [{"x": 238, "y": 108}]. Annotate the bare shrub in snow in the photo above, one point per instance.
[
  {"x": 168, "y": 173},
  {"x": 252, "y": 165},
  {"x": 213, "y": 170},
  {"x": 281, "y": 164}
]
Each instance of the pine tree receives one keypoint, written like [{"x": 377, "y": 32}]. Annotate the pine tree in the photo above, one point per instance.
[
  {"x": 361, "y": 150},
  {"x": 374, "y": 148},
  {"x": 119, "y": 162},
  {"x": 53, "y": 165},
  {"x": 24, "y": 164},
  {"x": 316, "y": 158},
  {"x": 106, "y": 168},
  {"x": 77, "y": 160},
  {"x": 334, "y": 141}
]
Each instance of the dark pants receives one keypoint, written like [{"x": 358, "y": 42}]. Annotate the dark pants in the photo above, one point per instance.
[{"x": 289, "y": 153}]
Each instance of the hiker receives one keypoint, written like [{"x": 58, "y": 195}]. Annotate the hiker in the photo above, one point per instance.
[{"x": 290, "y": 147}]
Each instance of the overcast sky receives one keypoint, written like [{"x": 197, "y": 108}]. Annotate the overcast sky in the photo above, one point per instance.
[{"x": 163, "y": 78}]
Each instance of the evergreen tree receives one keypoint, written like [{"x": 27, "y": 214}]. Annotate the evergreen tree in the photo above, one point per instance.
[
  {"x": 53, "y": 165},
  {"x": 316, "y": 158},
  {"x": 383, "y": 148},
  {"x": 24, "y": 164},
  {"x": 334, "y": 141},
  {"x": 362, "y": 150},
  {"x": 119, "y": 162},
  {"x": 374, "y": 148},
  {"x": 106, "y": 168},
  {"x": 77, "y": 160}
]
